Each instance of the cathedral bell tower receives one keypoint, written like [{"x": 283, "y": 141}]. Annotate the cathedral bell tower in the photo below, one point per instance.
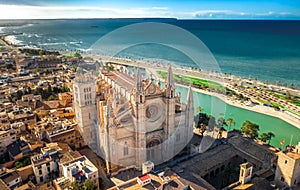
[
  {"x": 170, "y": 101},
  {"x": 170, "y": 84},
  {"x": 140, "y": 119},
  {"x": 139, "y": 88}
]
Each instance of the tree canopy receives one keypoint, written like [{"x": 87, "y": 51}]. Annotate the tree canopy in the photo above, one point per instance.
[{"x": 250, "y": 129}]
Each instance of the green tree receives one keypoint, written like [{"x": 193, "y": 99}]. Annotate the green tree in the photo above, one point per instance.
[
  {"x": 89, "y": 185},
  {"x": 49, "y": 90},
  {"x": 199, "y": 109},
  {"x": 250, "y": 129},
  {"x": 270, "y": 136},
  {"x": 64, "y": 89},
  {"x": 19, "y": 94},
  {"x": 77, "y": 55},
  {"x": 264, "y": 137},
  {"x": 292, "y": 86},
  {"x": 41, "y": 52},
  {"x": 37, "y": 70},
  {"x": 50, "y": 98},
  {"x": 18, "y": 164},
  {"x": 75, "y": 185},
  {"x": 230, "y": 122}
]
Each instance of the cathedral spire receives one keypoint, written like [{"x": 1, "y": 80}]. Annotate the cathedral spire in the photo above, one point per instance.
[
  {"x": 170, "y": 80},
  {"x": 189, "y": 98},
  {"x": 139, "y": 82}
]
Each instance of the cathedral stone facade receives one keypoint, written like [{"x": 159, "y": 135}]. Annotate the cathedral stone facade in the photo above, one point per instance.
[{"x": 130, "y": 120}]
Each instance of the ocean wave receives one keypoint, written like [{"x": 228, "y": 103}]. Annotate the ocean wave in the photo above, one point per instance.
[
  {"x": 83, "y": 50},
  {"x": 2, "y": 30},
  {"x": 53, "y": 44},
  {"x": 13, "y": 39},
  {"x": 75, "y": 43}
]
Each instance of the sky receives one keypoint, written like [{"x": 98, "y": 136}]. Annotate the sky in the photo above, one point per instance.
[{"x": 181, "y": 9}]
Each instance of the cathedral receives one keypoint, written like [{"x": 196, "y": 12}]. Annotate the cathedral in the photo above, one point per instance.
[{"x": 128, "y": 120}]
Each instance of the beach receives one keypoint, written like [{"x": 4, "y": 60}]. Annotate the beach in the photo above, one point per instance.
[{"x": 256, "y": 108}]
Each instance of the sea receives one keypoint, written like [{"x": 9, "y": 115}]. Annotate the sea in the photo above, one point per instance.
[{"x": 267, "y": 50}]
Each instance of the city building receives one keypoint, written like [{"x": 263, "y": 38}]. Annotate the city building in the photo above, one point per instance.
[
  {"x": 245, "y": 173},
  {"x": 288, "y": 168},
  {"x": 61, "y": 131},
  {"x": 45, "y": 165},
  {"x": 18, "y": 149},
  {"x": 25, "y": 115},
  {"x": 11, "y": 179},
  {"x": 4, "y": 121},
  {"x": 80, "y": 169},
  {"x": 6, "y": 138},
  {"x": 66, "y": 96},
  {"x": 61, "y": 183}
]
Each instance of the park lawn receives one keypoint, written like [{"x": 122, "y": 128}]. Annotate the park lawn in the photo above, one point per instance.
[
  {"x": 292, "y": 111},
  {"x": 281, "y": 96},
  {"x": 195, "y": 81}
]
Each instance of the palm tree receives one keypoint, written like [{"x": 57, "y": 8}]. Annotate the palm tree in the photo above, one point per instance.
[
  {"x": 264, "y": 137},
  {"x": 199, "y": 109},
  {"x": 270, "y": 136},
  {"x": 221, "y": 122},
  {"x": 230, "y": 122}
]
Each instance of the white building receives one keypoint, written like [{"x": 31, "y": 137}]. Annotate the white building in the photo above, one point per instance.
[
  {"x": 80, "y": 169},
  {"x": 45, "y": 166}
]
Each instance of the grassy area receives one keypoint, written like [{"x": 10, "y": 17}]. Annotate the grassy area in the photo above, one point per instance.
[
  {"x": 280, "y": 96},
  {"x": 296, "y": 113},
  {"x": 294, "y": 100},
  {"x": 201, "y": 83},
  {"x": 275, "y": 105},
  {"x": 75, "y": 55}
]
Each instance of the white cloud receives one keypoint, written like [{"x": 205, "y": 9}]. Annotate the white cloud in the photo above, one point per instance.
[
  {"x": 237, "y": 14},
  {"x": 41, "y": 12},
  {"x": 32, "y": 12}
]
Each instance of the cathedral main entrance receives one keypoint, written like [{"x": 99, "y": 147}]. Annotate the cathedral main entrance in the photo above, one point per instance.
[{"x": 154, "y": 150}]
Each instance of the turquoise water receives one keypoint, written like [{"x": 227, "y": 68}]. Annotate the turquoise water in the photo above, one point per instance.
[{"x": 216, "y": 107}]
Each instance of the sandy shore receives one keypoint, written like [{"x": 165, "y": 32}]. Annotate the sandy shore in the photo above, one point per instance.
[{"x": 257, "y": 108}]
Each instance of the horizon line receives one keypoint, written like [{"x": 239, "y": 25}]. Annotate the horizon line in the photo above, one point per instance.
[{"x": 166, "y": 18}]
